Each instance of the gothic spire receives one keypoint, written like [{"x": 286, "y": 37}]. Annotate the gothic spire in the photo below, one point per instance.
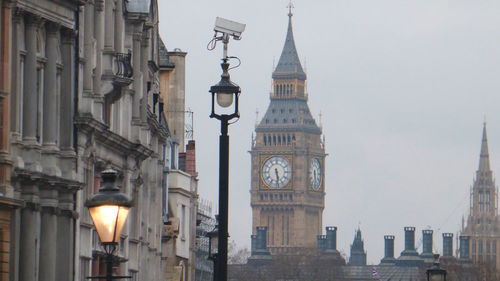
[
  {"x": 289, "y": 63},
  {"x": 484, "y": 158}
]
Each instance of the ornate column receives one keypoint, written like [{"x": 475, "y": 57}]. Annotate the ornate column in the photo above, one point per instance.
[
  {"x": 109, "y": 25},
  {"x": 144, "y": 68},
  {"x": 16, "y": 95},
  {"x": 30, "y": 242},
  {"x": 136, "y": 64},
  {"x": 48, "y": 235},
  {"x": 88, "y": 47},
  {"x": 65, "y": 236},
  {"x": 30, "y": 109},
  {"x": 67, "y": 89},
  {"x": 99, "y": 36},
  {"x": 50, "y": 87},
  {"x": 109, "y": 38},
  {"x": 119, "y": 29}
]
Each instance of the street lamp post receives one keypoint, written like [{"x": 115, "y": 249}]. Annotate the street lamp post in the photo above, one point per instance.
[
  {"x": 226, "y": 93},
  {"x": 436, "y": 273},
  {"x": 109, "y": 210}
]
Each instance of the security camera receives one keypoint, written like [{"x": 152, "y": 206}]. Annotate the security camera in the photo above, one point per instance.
[{"x": 229, "y": 27}]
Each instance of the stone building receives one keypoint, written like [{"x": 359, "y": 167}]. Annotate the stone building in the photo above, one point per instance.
[
  {"x": 287, "y": 159},
  {"x": 483, "y": 223},
  {"x": 182, "y": 177},
  {"x": 119, "y": 124},
  {"x": 9, "y": 199},
  {"x": 80, "y": 92},
  {"x": 43, "y": 78}
]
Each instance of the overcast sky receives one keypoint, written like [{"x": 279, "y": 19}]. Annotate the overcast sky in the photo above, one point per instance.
[{"x": 403, "y": 86}]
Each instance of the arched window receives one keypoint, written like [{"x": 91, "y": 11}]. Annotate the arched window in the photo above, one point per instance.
[
  {"x": 274, "y": 140},
  {"x": 288, "y": 140},
  {"x": 269, "y": 140},
  {"x": 287, "y": 90},
  {"x": 265, "y": 140},
  {"x": 276, "y": 90},
  {"x": 291, "y": 89},
  {"x": 281, "y": 90},
  {"x": 279, "y": 140}
]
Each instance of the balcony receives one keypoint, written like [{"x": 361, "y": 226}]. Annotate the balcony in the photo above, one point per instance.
[{"x": 123, "y": 71}]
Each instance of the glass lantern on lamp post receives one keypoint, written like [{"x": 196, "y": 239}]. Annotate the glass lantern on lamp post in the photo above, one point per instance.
[{"x": 109, "y": 210}]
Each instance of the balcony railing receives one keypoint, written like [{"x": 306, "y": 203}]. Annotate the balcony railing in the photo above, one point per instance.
[{"x": 124, "y": 65}]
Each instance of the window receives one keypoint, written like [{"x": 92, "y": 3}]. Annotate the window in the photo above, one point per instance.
[
  {"x": 183, "y": 222},
  {"x": 487, "y": 201},
  {"x": 480, "y": 201},
  {"x": 480, "y": 251},
  {"x": 173, "y": 158},
  {"x": 84, "y": 268},
  {"x": 1, "y": 122},
  {"x": 39, "y": 103}
]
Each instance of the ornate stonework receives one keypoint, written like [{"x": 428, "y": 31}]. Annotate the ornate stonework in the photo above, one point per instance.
[{"x": 483, "y": 223}]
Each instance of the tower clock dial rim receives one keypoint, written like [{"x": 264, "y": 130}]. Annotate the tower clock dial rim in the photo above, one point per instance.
[
  {"x": 276, "y": 172},
  {"x": 315, "y": 174}
]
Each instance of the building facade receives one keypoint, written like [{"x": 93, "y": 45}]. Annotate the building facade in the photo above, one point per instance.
[
  {"x": 119, "y": 124},
  {"x": 483, "y": 224},
  {"x": 79, "y": 93},
  {"x": 43, "y": 77},
  {"x": 287, "y": 159},
  {"x": 180, "y": 235}
]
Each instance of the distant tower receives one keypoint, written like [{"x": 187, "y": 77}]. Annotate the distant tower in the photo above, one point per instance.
[
  {"x": 358, "y": 254},
  {"x": 483, "y": 222},
  {"x": 288, "y": 158}
]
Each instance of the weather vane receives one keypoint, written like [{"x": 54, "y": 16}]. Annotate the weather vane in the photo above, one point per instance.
[{"x": 290, "y": 7}]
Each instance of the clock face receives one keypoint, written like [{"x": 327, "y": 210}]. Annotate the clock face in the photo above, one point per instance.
[
  {"x": 276, "y": 172},
  {"x": 315, "y": 174}
]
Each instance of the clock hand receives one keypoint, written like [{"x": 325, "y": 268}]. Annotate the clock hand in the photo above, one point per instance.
[{"x": 277, "y": 177}]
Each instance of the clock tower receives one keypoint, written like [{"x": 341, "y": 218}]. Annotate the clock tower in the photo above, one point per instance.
[{"x": 288, "y": 161}]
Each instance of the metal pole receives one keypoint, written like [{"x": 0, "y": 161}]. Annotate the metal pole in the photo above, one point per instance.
[
  {"x": 109, "y": 267},
  {"x": 221, "y": 260}
]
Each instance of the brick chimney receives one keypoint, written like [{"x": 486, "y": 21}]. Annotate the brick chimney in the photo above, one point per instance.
[
  {"x": 464, "y": 248},
  {"x": 190, "y": 158},
  {"x": 427, "y": 244},
  {"x": 447, "y": 244},
  {"x": 388, "y": 249},
  {"x": 409, "y": 242},
  {"x": 331, "y": 238}
]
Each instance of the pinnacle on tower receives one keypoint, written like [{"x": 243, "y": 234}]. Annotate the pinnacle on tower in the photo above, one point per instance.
[
  {"x": 484, "y": 158},
  {"x": 289, "y": 65}
]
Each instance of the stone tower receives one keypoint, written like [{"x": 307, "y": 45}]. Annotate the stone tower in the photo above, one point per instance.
[
  {"x": 483, "y": 223},
  {"x": 288, "y": 158},
  {"x": 358, "y": 254}
]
